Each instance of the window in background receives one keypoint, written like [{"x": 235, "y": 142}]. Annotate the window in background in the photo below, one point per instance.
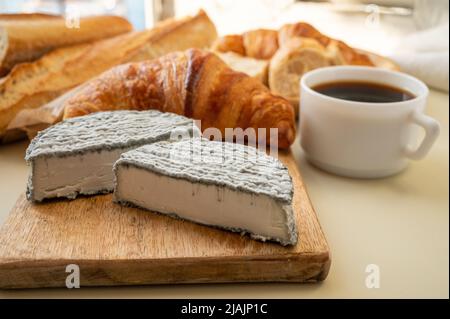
[{"x": 134, "y": 10}]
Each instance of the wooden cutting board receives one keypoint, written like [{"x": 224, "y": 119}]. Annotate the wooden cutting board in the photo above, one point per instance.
[{"x": 115, "y": 245}]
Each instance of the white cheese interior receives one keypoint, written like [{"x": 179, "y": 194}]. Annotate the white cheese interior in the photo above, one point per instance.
[
  {"x": 67, "y": 176},
  {"x": 76, "y": 156},
  {"x": 206, "y": 204}
]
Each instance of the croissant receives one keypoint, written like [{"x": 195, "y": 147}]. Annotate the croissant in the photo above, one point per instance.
[
  {"x": 257, "y": 44},
  {"x": 194, "y": 83},
  {"x": 229, "y": 43},
  {"x": 344, "y": 54},
  {"x": 303, "y": 30},
  {"x": 263, "y": 44}
]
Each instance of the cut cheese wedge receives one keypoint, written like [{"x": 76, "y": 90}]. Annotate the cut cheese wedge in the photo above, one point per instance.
[
  {"x": 226, "y": 185},
  {"x": 76, "y": 156}
]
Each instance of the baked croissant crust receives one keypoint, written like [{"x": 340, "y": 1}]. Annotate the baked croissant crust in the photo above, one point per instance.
[
  {"x": 229, "y": 43},
  {"x": 194, "y": 83},
  {"x": 303, "y": 30},
  {"x": 258, "y": 44}
]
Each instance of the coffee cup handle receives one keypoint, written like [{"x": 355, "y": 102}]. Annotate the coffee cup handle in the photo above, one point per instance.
[{"x": 432, "y": 129}]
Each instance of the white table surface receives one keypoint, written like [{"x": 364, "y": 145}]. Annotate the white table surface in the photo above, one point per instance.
[{"x": 399, "y": 223}]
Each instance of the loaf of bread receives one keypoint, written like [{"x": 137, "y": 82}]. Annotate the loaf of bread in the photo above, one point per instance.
[
  {"x": 31, "y": 85},
  {"x": 250, "y": 66},
  {"x": 291, "y": 61},
  {"x": 194, "y": 83},
  {"x": 26, "y": 37}
]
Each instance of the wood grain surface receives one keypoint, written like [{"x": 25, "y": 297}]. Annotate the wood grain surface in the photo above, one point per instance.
[{"x": 115, "y": 245}]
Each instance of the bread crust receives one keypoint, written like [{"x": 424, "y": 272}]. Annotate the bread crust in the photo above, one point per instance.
[
  {"x": 27, "y": 16},
  {"x": 302, "y": 30},
  {"x": 230, "y": 43},
  {"x": 263, "y": 43},
  {"x": 258, "y": 44}
]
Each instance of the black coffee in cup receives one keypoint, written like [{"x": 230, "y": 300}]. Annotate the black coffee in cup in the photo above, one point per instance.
[{"x": 363, "y": 92}]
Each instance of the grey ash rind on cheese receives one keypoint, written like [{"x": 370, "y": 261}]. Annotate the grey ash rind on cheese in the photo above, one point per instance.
[
  {"x": 231, "y": 165},
  {"x": 105, "y": 130},
  {"x": 247, "y": 175},
  {"x": 76, "y": 145}
]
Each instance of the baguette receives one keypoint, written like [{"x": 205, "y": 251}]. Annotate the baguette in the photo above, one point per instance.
[
  {"x": 26, "y": 37},
  {"x": 31, "y": 85}
]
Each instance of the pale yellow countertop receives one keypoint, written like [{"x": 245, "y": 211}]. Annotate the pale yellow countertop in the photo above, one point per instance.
[{"x": 398, "y": 223}]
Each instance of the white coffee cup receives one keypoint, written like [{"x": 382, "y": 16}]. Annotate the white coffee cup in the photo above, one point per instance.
[{"x": 360, "y": 139}]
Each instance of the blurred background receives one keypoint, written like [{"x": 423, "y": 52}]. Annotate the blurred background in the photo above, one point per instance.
[{"x": 387, "y": 27}]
